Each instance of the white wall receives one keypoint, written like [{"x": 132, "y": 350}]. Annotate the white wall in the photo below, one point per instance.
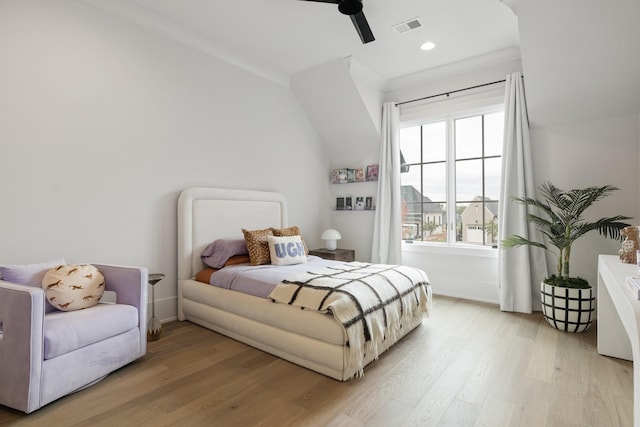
[
  {"x": 103, "y": 123},
  {"x": 592, "y": 153},
  {"x": 343, "y": 100}
]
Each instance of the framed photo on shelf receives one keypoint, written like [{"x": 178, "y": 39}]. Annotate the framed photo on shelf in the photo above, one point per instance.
[
  {"x": 360, "y": 175},
  {"x": 359, "y": 206},
  {"x": 335, "y": 176},
  {"x": 368, "y": 203},
  {"x": 342, "y": 176},
  {"x": 351, "y": 175},
  {"x": 372, "y": 173},
  {"x": 339, "y": 203},
  {"x": 348, "y": 203}
]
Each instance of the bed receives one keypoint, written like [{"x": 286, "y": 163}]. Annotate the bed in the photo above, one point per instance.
[{"x": 313, "y": 339}]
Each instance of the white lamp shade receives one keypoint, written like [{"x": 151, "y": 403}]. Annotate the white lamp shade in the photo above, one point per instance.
[{"x": 331, "y": 236}]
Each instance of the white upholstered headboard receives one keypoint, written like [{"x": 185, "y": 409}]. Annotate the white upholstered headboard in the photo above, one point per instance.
[{"x": 206, "y": 214}]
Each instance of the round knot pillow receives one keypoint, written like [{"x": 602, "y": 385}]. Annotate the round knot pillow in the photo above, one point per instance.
[{"x": 73, "y": 287}]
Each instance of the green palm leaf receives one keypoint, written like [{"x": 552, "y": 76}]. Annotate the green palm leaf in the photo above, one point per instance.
[{"x": 561, "y": 220}]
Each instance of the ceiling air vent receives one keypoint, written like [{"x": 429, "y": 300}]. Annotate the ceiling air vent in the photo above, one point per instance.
[{"x": 407, "y": 26}]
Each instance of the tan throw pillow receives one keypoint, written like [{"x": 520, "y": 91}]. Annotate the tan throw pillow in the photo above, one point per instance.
[
  {"x": 258, "y": 245},
  {"x": 290, "y": 231},
  {"x": 73, "y": 287}
]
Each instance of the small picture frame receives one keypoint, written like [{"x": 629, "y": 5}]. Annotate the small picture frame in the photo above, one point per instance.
[
  {"x": 342, "y": 176},
  {"x": 340, "y": 203},
  {"x": 335, "y": 176},
  {"x": 360, "y": 175},
  {"x": 359, "y": 206},
  {"x": 372, "y": 173},
  {"x": 368, "y": 203},
  {"x": 348, "y": 203},
  {"x": 351, "y": 175}
]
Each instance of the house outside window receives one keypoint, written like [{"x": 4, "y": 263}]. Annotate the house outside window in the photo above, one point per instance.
[{"x": 451, "y": 178}]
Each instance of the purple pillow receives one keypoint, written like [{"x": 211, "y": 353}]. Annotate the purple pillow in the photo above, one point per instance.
[
  {"x": 218, "y": 252},
  {"x": 30, "y": 275}
]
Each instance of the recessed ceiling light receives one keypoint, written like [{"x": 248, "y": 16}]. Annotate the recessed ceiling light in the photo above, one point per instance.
[{"x": 428, "y": 46}]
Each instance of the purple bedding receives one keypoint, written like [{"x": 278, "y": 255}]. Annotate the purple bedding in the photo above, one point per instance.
[{"x": 260, "y": 280}]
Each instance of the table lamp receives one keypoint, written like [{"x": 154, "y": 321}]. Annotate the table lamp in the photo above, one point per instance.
[{"x": 331, "y": 237}]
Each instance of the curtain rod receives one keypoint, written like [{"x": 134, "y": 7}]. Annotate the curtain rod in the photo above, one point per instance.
[{"x": 452, "y": 91}]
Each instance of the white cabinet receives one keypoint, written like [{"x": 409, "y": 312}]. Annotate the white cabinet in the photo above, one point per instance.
[{"x": 619, "y": 319}]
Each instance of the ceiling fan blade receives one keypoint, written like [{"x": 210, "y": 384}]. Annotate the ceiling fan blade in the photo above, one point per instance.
[
  {"x": 325, "y": 1},
  {"x": 362, "y": 27},
  {"x": 353, "y": 8}
]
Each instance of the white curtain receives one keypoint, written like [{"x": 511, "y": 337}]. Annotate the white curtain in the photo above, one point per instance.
[
  {"x": 387, "y": 228},
  {"x": 521, "y": 269}
]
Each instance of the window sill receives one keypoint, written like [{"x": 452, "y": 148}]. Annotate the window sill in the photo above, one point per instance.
[{"x": 429, "y": 248}]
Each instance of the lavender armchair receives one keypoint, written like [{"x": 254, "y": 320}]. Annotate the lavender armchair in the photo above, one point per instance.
[{"x": 44, "y": 356}]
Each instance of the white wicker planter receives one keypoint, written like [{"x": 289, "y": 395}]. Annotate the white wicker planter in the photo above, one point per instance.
[{"x": 567, "y": 309}]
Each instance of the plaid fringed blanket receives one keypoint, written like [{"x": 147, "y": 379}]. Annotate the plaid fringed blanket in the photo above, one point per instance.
[{"x": 371, "y": 301}]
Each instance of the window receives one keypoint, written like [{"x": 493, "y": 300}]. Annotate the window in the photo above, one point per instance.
[{"x": 451, "y": 178}]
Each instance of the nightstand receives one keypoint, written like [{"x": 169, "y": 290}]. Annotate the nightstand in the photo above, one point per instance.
[{"x": 347, "y": 255}]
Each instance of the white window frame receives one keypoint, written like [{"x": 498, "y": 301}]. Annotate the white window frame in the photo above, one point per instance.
[{"x": 449, "y": 113}]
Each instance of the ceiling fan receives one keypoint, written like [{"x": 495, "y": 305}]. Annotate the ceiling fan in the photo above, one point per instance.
[{"x": 353, "y": 8}]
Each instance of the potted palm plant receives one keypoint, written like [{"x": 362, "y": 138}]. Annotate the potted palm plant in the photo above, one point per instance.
[{"x": 567, "y": 302}]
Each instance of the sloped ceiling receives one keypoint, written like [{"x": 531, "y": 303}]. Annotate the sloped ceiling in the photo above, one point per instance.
[
  {"x": 581, "y": 59},
  {"x": 280, "y": 38},
  {"x": 337, "y": 106}
]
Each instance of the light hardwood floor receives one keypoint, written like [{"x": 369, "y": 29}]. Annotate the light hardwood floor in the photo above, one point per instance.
[{"x": 468, "y": 364}]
